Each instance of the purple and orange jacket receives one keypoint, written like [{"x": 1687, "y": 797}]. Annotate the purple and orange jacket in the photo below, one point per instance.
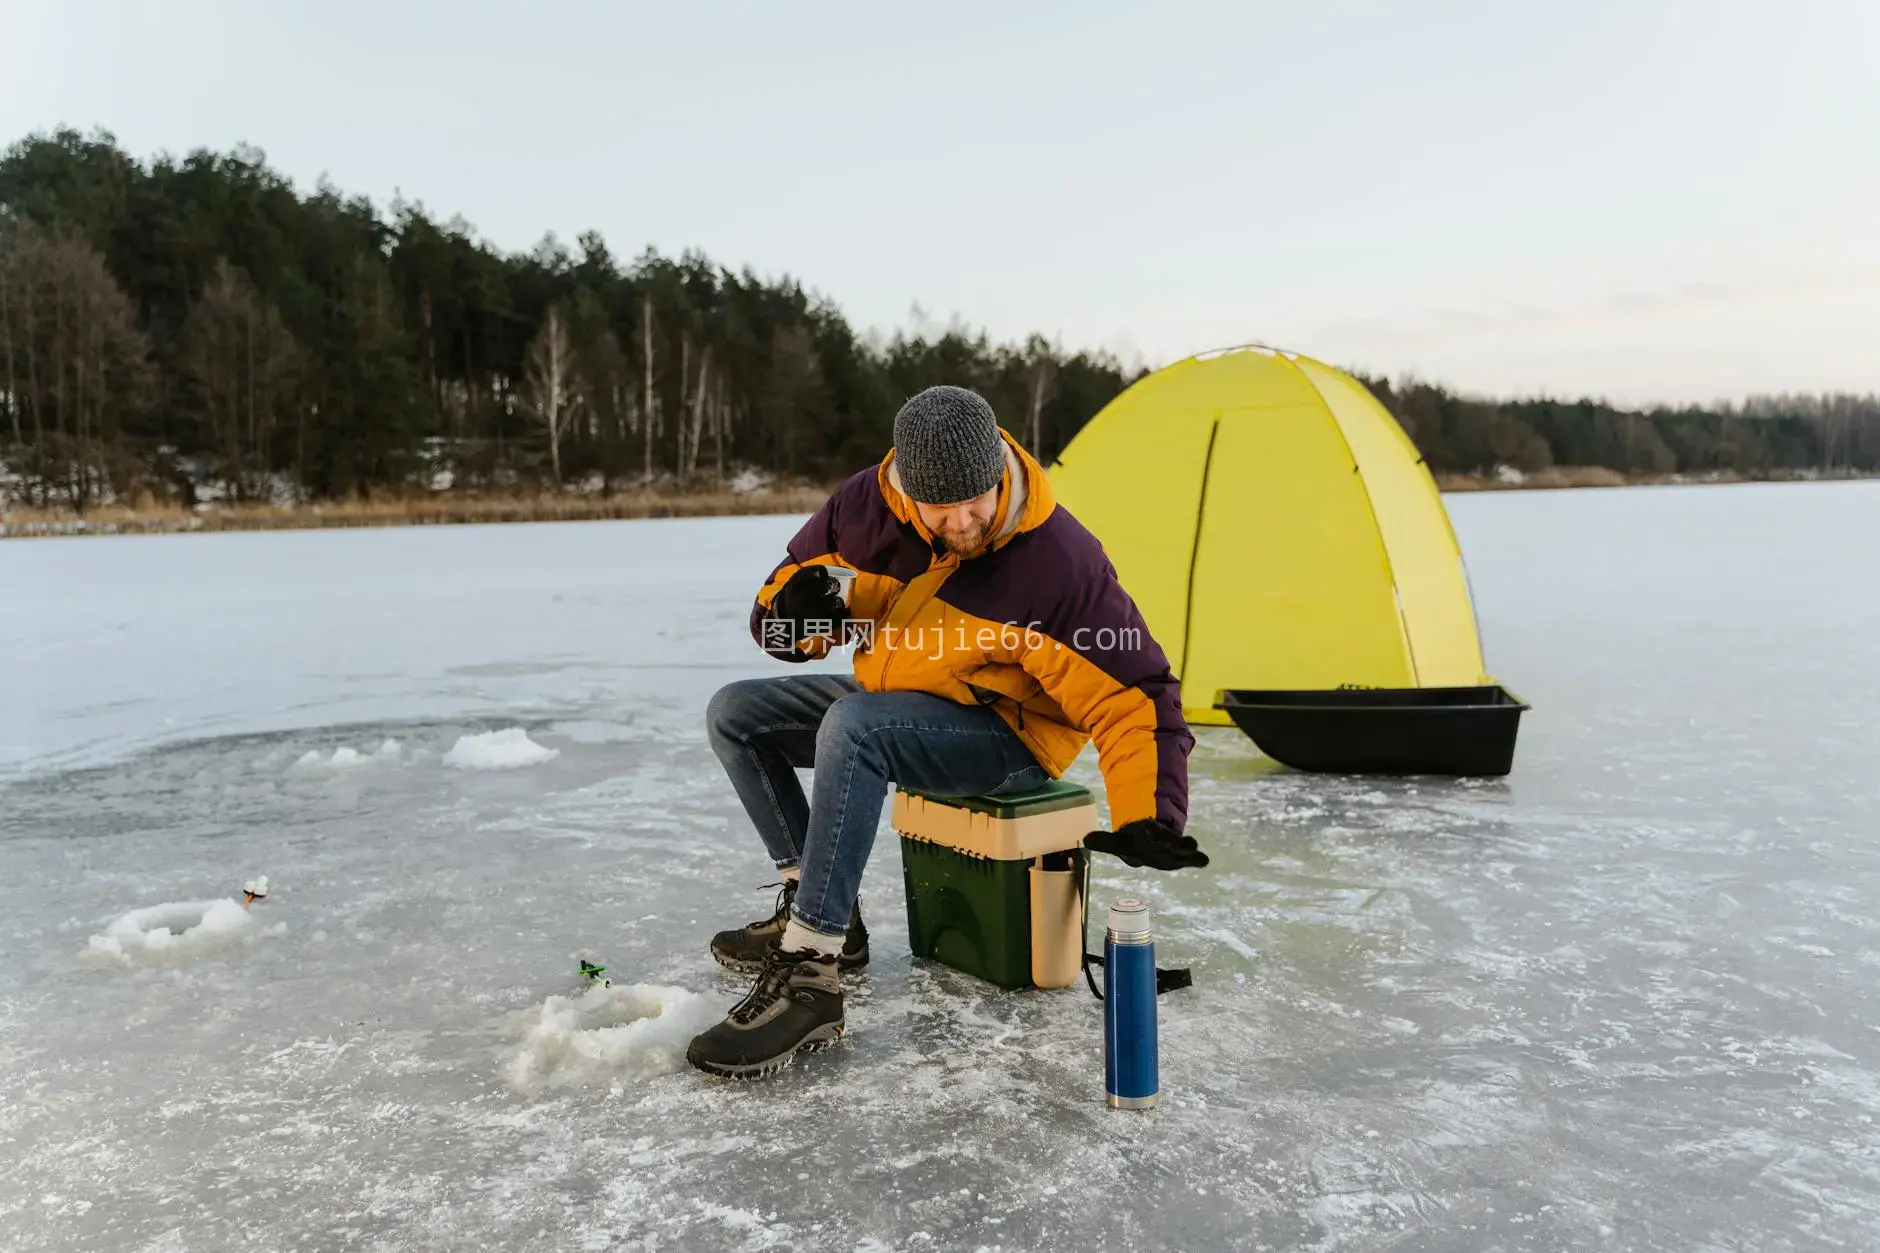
[{"x": 1035, "y": 625}]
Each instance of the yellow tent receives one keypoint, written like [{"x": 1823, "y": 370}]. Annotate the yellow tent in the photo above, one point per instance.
[{"x": 1277, "y": 529}]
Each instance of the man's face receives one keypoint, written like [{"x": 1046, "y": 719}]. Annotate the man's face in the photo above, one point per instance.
[{"x": 963, "y": 528}]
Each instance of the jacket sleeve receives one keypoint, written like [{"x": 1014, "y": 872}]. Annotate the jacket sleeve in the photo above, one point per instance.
[
  {"x": 1095, "y": 657},
  {"x": 814, "y": 542}
]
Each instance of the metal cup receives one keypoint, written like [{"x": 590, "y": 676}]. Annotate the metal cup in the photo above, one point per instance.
[
  {"x": 845, "y": 581},
  {"x": 845, "y": 587}
]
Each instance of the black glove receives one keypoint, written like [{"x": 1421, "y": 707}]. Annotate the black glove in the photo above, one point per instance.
[
  {"x": 1148, "y": 842},
  {"x": 811, "y": 594}
]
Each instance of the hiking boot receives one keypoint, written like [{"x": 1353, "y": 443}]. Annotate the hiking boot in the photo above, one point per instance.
[
  {"x": 795, "y": 1006},
  {"x": 745, "y": 948}
]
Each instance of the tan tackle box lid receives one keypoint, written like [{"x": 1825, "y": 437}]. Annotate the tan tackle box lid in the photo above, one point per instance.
[{"x": 1013, "y": 827}]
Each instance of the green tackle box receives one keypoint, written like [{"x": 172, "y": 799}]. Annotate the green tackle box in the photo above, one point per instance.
[{"x": 994, "y": 883}]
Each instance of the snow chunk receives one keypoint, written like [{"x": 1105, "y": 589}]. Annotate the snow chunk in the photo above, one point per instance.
[
  {"x": 345, "y": 758},
  {"x": 178, "y": 929},
  {"x": 498, "y": 750},
  {"x": 609, "y": 1034}
]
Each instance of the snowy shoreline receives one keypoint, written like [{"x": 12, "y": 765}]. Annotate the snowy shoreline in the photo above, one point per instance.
[
  {"x": 441, "y": 511},
  {"x": 444, "y": 511}
]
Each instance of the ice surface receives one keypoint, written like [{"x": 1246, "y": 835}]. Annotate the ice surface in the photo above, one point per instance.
[
  {"x": 498, "y": 750},
  {"x": 1621, "y": 999},
  {"x": 349, "y": 630}
]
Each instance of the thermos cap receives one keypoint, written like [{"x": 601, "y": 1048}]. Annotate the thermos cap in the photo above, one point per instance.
[{"x": 1129, "y": 917}]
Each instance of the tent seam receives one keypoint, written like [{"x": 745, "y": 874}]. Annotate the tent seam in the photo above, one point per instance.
[{"x": 1194, "y": 549}]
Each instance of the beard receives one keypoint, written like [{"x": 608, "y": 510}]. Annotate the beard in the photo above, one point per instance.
[{"x": 961, "y": 543}]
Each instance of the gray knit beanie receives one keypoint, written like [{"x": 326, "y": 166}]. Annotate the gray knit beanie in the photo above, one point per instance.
[{"x": 947, "y": 446}]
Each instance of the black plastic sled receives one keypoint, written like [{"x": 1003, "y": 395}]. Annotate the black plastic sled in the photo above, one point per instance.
[{"x": 1466, "y": 731}]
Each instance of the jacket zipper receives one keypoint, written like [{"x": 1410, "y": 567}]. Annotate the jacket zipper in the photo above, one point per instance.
[{"x": 887, "y": 661}]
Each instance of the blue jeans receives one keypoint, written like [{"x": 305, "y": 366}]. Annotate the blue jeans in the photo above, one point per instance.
[{"x": 858, "y": 742}]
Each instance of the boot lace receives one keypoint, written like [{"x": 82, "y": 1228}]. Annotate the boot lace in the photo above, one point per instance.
[
  {"x": 770, "y": 986},
  {"x": 786, "y": 892}
]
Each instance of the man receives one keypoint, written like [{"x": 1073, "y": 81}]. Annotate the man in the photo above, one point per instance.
[{"x": 992, "y": 642}]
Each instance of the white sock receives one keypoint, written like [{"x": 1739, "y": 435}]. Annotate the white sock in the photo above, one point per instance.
[
  {"x": 792, "y": 874},
  {"x": 797, "y": 937}
]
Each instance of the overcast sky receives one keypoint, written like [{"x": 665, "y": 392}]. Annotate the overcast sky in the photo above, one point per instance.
[{"x": 1646, "y": 200}]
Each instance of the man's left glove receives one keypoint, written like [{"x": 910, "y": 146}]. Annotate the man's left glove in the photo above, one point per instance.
[
  {"x": 811, "y": 595},
  {"x": 1148, "y": 842}
]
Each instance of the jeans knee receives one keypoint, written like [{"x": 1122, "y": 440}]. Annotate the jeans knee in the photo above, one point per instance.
[
  {"x": 845, "y": 725},
  {"x": 725, "y": 710}
]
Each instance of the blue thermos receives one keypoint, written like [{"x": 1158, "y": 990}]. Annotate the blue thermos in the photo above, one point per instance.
[{"x": 1129, "y": 1070}]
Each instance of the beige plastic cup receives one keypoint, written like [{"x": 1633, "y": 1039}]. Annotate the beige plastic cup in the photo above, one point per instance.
[{"x": 1057, "y": 926}]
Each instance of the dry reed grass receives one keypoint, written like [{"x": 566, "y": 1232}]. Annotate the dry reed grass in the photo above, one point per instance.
[
  {"x": 154, "y": 518},
  {"x": 1556, "y": 476},
  {"x": 147, "y": 517}
]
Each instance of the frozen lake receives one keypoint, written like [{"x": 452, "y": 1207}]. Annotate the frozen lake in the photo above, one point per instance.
[{"x": 1622, "y": 999}]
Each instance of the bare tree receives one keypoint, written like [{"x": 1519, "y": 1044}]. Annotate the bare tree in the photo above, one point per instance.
[
  {"x": 1835, "y": 419},
  {"x": 649, "y": 400},
  {"x": 76, "y": 360},
  {"x": 721, "y": 418},
  {"x": 795, "y": 379},
  {"x": 243, "y": 369},
  {"x": 692, "y": 432},
  {"x": 6, "y": 344},
  {"x": 685, "y": 400},
  {"x": 549, "y": 387},
  {"x": 1042, "y": 380},
  {"x": 607, "y": 390}
]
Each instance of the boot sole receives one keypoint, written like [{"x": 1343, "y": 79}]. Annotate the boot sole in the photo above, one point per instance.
[
  {"x": 825, "y": 1036},
  {"x": 753, "y": 965}
]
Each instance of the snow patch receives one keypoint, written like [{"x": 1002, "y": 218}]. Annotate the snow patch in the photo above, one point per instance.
[
  {"x": 498, "y": 750},
  {"x": 177, "y": 929},
  {"x": 345, "y": 758},
  {"x": 609, "y": 1034},
  {"x": 1231, "y": 940},
  {"x": 759, "y": 1231},
  {"x": 12, "y": 488}
]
